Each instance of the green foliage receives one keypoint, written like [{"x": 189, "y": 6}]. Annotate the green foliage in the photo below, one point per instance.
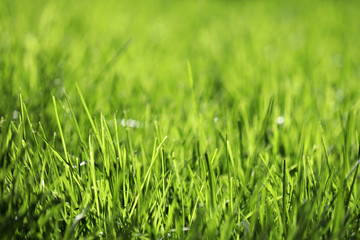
[{"x": 179, "y": 119}]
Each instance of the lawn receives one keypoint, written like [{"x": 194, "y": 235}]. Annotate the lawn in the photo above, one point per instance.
[{"x": 179, "y": 119}]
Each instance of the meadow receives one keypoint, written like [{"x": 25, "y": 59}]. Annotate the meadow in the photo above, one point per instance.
[{"x": 179, "y": 119}]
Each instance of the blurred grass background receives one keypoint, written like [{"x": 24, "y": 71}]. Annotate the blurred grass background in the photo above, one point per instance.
[
  {"x": 238, "y": 49},
  {"x": 132, "y": 57}
]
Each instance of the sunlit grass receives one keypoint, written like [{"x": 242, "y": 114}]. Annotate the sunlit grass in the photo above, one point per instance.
[{"x": 179, "y": 120}]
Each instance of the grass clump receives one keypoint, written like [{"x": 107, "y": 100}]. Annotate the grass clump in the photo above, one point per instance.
[{"x": 179, "y": 120}]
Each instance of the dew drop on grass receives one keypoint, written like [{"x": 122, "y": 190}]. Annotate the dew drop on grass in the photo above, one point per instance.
[
  {"x": 280, "y": 120},
  {"x": 15, "y": 114},
  {"x": 131, "y": 123}
]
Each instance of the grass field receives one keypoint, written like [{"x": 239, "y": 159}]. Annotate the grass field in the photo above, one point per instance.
[{"x": 179, "y": 119}]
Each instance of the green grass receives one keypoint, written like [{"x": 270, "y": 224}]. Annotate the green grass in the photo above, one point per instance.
[{"x": 179, "y": 120}]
